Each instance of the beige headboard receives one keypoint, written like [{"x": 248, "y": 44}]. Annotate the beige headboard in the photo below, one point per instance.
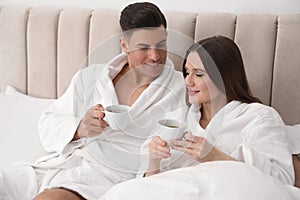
[{"x": 42, "y": 47}]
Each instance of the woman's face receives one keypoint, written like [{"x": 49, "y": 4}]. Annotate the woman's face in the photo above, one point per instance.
[{"x": 200, "y": 88}]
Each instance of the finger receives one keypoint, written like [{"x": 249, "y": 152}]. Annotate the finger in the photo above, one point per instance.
[
  {"x": 97, "y": 129},
  {"x": 158, "y": 144},
  {"x": 188, "y": 136},
  {"x": 184, "y": 150},
  {"x": 97, "y": 123},
  {"x": 157, "y": 147},
  {"x": 192, "y": 138},
  {"x": 94, "y": 122},
  {"x": 182, "y": 143},
  {"x": 98, "y": 114},
  {"x": 159, "y": 141},
  {"x": 98, "y": 107},
  {"x": 98, "y": 126},
  {"x": 160, "y": 154},
  {"x": 102, "y": 123}
]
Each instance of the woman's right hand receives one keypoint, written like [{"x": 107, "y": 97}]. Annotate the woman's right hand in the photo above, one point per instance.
[
  {"x": 92, "y": 123},
  {"x": 158, "y": 149}
]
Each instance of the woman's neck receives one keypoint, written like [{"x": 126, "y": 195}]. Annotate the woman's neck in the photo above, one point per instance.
[
  {"x": 208, "y": 110},
  {"x": 205, "y": 116}
]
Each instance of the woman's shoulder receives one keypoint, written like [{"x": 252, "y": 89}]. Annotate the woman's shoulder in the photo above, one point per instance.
[
  {"x": 259, "y": 108},
  {"x": 257, "y": 111}
]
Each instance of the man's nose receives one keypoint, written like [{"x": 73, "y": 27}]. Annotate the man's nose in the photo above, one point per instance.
[{"x": 154, "y": 54}]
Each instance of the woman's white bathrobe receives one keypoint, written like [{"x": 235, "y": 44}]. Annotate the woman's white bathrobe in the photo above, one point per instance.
[
  {"x": 251, "y": 133},
  {"x": 90, "y": 166}
]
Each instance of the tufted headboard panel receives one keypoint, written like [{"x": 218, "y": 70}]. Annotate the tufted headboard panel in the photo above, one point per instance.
[{"x": 42, "y": 47}]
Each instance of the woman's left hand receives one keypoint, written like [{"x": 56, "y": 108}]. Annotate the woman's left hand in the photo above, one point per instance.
[{"x": 199, "y": 149}]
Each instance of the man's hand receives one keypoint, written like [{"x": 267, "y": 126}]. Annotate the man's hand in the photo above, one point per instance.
[{"x": 92, "y": 123}]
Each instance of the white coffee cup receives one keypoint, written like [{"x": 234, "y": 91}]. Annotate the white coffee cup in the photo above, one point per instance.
[
  {"x": 170, "y": 129},
  {"x": 117, "y": 116}
]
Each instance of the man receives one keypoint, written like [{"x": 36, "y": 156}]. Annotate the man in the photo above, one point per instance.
[{"x": 91, "y": 157}]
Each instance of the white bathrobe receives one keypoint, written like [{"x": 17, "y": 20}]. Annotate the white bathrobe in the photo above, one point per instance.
[
  {"x": 251, "y": 133},
  {"x": 90, "y": 166}
]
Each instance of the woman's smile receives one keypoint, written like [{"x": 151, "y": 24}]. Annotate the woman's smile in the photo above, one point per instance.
[{"x": 192, "y": 92}]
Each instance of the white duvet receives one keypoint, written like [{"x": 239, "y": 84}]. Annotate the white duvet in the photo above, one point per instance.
[{"x": 219, "y": 180}]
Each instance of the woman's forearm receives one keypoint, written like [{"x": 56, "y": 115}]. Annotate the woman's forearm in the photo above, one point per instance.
[{"x": 153, "y": 168}]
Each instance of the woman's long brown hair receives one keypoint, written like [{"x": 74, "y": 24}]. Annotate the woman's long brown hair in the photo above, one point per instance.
[{"x": 223, "y": 63}]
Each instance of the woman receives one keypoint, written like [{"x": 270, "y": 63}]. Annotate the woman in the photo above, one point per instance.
[
  {"x": 240, "y": 143},
  {"x": 225, "y": 121}
]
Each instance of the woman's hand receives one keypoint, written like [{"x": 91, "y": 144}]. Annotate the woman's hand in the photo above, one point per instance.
[
  {"x": 158, "y": 150},
  {"x": 92, "y": 123},
  {"x": 199, "y": 149}
]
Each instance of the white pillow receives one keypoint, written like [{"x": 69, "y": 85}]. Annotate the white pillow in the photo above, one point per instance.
[
  {"x": 293, "y": 133},
  {"x": 19, "y": 116},
  {"x": 13, "y": 91}
]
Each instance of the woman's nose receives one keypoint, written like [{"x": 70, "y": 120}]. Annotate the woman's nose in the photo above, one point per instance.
[{"x": 189, "y": 81}]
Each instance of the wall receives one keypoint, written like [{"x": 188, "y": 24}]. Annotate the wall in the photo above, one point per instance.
[{"x": 235, "y": 6}]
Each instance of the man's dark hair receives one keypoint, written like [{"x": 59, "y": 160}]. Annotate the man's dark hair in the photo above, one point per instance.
[{"x": 141, "y": 15}]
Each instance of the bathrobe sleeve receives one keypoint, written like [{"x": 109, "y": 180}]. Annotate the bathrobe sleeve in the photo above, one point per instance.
[
  {"x": 59, "y": 122},
  {"x": 266, "y": 146}
]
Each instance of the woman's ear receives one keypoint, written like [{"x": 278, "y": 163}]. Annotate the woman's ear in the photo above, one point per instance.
[{"x": 123, "y": 44}]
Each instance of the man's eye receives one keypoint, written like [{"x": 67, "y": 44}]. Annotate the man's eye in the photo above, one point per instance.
[{"x": 161, "y": 46}]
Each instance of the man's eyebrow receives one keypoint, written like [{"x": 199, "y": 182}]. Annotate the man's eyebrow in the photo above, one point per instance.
[
  {"x": 148, "y": 45},
  {"x": 143, "y": 45},
  {"x": 162, "y": 42}
]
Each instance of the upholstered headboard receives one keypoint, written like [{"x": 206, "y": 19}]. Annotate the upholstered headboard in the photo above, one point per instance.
[{"x": 42, "y": 47}]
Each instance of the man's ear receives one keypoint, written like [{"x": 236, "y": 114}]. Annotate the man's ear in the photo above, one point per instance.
[{"x": 123, "y": 44}]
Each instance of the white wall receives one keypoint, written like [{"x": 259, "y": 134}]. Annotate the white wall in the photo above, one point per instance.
[{"x": 235, "y": 6}]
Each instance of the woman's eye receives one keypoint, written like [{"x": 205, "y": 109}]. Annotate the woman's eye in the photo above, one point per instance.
[{"x": 199, "y": 75}]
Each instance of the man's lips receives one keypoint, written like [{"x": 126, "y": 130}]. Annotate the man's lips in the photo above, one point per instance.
[{"x": 152, "y": 64}]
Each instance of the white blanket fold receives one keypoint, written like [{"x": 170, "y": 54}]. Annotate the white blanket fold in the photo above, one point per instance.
[{"x": 219, "y": 180}]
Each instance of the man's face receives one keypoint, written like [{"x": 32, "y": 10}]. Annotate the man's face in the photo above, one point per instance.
[{"x": 147, "y": 50}]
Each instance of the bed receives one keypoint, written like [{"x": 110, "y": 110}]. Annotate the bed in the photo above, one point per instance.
[{"x": 41, "y": 48}]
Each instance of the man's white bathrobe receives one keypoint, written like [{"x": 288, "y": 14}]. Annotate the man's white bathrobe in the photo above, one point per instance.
[{"x": 90, "y": 166}]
